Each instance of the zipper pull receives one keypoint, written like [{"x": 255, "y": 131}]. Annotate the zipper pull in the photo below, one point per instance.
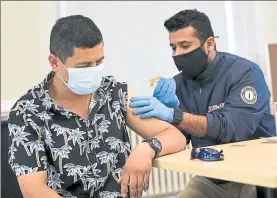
[{"x": 200, "y": 90}]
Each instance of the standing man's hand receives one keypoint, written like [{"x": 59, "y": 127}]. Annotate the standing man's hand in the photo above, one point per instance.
[
  {"x": 165, "y": 92},
  {"x": 137, "y": 170},
  {"x": 151, "y": 107}
]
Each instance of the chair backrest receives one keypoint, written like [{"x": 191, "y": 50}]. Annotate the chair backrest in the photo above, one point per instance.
[{"x": 9, "y": 184}]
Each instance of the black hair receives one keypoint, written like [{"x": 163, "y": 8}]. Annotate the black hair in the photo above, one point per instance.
[
  {"x": 198, "y": 20},
  {"x": 75, "y": 31}
]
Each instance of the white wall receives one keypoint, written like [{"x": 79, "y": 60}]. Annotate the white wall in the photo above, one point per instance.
[
  {"x": 136, "y": 43},
  {"x": 255, "y": 27},
  {"x": 266, "y": 26},
  {"x": 25, "y": 31}
]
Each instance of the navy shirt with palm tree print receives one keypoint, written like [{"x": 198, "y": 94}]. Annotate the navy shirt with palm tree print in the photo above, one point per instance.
[{"x": 83, "y": 158}]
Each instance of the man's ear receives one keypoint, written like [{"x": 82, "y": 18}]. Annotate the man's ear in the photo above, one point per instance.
[
  {"x": 53, "y": 62},
  {"x": 210, "y": 44}
]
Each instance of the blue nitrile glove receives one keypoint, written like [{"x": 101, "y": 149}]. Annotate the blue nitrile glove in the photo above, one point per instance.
[
  {"x": 165, "y": 92},
  {"x": 149, "y": 107}
]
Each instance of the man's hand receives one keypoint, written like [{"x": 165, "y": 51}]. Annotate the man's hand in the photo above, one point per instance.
[
  {"x": 137, "y": 170},
  {"x": 165, "y": 92},
  {"x": 151, "y": 107}
]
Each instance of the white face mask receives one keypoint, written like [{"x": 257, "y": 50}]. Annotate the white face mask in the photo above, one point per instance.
[{"x": 84, "y": 81}]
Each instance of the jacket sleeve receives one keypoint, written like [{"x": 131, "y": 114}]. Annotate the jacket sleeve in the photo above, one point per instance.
[{"x": 246, "y": 103}]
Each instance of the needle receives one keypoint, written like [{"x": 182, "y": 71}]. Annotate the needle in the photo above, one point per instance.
[{"x": 155, "y": 80}]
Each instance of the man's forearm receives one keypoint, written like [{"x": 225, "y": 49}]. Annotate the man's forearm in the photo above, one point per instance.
[
  {"x": 48, "y": 192},
  {"x": 172, "y": 141},
  {"x": 41, "y": 192},
  {"x": 194, "y": 124}
]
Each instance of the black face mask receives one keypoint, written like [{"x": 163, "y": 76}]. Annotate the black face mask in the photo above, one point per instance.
[{"x": 192, "y": 63}]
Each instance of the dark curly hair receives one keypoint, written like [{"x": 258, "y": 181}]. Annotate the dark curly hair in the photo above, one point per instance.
[
  {"x": 198, "y": 20},
  {"x": 75, "y": 31}
]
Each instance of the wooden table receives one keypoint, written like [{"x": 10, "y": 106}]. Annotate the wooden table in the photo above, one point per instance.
[{"x": 250, "y": 162}]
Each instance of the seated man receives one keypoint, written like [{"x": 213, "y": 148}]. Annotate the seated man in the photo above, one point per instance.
[{"x": 68, "y": 134}]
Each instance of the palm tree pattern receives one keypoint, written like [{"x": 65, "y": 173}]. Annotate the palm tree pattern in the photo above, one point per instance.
[{"x": 83, "y": 158}]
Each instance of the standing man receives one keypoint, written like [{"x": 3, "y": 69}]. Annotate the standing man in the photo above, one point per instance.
[{"x": 217, "y": 98}]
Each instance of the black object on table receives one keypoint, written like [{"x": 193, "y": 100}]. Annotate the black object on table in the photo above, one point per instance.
[{"x": 263, "y": 192}]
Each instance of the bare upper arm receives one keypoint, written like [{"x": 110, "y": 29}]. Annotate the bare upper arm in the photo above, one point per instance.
[
  {"x": 144, "y": 127},
  {"x": 31, "y": 182}
]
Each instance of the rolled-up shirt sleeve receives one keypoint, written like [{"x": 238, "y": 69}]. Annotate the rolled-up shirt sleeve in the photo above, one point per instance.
[
  {"x": 26, "y": 147},
  {"x": 246, "y": 103}
]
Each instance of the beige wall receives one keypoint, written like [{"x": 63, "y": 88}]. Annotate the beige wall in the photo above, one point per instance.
[{"x": 25, "y": 31}]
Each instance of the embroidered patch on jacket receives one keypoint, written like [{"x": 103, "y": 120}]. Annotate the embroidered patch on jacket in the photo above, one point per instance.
[
  {"x": 215, "y": 107},
  {"x": 249, "y": 95}
]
